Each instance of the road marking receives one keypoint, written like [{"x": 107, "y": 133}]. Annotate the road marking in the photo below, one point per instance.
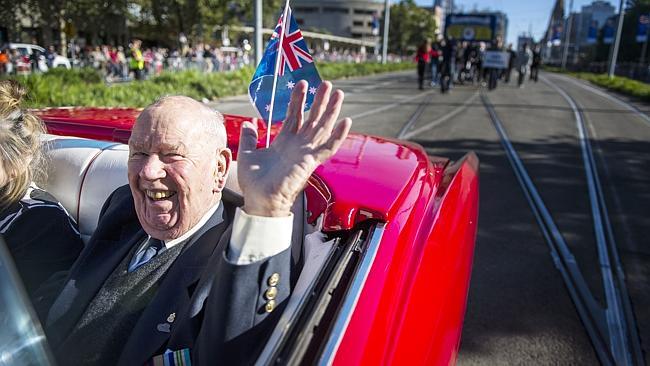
[
  {"x": 618, "y": 313},
  {"x": 563, "y": 259},
  {"x": 429, "y": 125},
  {"x": 389, "y": 106},
  {"x": 414, "y": 117},
  {"x": 599, "y": 92},
  {"x": 370, "y": 86}
]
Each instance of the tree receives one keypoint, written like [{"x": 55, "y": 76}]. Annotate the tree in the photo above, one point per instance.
[
  {"x": 410, "y": 26},
  {"x": 162, "y": 21}
]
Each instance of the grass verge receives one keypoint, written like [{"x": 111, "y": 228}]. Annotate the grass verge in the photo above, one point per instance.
[
  {"x": 85, "y": 87},
  {"x": 623, "y": 85}
]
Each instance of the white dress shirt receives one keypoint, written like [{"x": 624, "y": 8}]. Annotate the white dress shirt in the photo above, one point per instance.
[{"x": 253, "y": 238}]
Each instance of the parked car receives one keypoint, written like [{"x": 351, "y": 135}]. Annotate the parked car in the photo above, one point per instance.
[
  {"x": 27, "y": 50},
  {"x": 387, "y": 284}
]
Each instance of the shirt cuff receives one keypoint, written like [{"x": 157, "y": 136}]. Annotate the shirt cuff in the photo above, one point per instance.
[{"x": 255, "y": 238}]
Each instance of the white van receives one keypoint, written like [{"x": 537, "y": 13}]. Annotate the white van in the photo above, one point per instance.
[{"x": 26, "y": 49}]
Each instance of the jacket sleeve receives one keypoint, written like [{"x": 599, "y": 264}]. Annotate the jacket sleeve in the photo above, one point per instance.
[{"x": 243, "y": 306}]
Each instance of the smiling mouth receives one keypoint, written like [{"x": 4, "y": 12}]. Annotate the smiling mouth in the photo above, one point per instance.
[{"x": 159, "y": 195}]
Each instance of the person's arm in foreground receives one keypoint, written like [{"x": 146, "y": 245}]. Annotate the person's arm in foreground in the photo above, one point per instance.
[{"x": 249, "y": 291}]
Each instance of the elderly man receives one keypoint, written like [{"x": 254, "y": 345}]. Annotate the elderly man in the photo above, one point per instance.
[{"x": 172, "y": 266}]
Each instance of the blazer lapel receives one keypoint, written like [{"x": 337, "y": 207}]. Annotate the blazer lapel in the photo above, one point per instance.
[
  {"x": 86, "y": 278},
  {"x": 157, "y": 322}
]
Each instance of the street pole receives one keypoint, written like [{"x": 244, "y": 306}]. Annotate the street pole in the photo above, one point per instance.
[
  {"x": 384, "y": 51},
  {"x": 567, "y": 37},
  {"x": 617, "y": 41},
  {"x": 644, "y": 48},
  {"x": 258, "y": 31}
]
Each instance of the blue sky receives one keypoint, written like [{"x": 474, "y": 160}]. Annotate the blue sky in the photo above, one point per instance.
[{"x": 522, "y": 14}]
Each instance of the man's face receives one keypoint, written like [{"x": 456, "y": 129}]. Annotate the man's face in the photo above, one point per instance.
[{"x": 176, "y": 171}]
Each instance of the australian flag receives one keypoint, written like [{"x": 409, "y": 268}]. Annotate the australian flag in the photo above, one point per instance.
[{"x": 295, "y": 64}]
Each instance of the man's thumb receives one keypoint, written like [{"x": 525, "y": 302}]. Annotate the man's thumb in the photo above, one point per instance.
[{"x": 248, "y": 136}]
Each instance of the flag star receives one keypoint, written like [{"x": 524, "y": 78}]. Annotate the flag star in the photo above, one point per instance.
[
  {"x": 312, "y": 90},
  {"x": 290, "y": 84},
  {"x": 267, "y": 108}
]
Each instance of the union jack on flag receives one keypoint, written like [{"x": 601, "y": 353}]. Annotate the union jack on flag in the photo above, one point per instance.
[
  {"x": 295, "y": 64},
  {"x": 294, "y": 48}
]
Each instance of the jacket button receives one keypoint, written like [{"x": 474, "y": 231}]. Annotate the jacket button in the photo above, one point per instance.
[
  {"x": 271, "y": 293},
  {"x": 269, "y": 306},
  {"x": 274, "y": 279}
]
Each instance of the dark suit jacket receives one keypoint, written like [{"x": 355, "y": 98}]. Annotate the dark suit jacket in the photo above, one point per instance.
[{"x": 217, "y": 304}]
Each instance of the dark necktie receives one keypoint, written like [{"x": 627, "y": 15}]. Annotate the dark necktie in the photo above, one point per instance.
[{"x": 154, "y": 246}]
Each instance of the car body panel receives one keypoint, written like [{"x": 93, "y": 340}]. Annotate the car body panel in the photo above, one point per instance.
[
  {"x": 411, "y": 306},
  {"x": 114, "y": 124}
]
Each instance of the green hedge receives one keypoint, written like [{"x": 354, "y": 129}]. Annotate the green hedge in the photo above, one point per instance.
[
  {"x": 85, "y": 87},
  {"x": 623, "y": 85}
]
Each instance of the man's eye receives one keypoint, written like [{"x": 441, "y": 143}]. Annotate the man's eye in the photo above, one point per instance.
[
  {"x": 139, "y": 154},
  {"x": 173, "y": 155}
]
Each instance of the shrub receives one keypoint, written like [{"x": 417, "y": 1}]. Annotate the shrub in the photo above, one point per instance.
[
  {"x": 85, "y": 87},
  {"x": 623, "y": 85}
]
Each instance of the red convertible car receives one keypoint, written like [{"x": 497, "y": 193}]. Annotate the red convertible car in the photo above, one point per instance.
[{"x": 387, "y": 236}]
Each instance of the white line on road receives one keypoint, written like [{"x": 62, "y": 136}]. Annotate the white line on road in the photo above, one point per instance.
[
  {"x": 429, "y": 125},
  {"x": 389, "y": 106}
]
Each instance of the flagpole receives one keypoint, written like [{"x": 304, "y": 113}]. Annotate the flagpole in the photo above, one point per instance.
[{"x": 275, "y": 74}]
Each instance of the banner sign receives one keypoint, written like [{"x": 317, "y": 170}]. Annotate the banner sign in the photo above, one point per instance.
[
  {"x": 608, "y": 31},
  {"x": 592, "y": 34},
  {"x": 642, "y": 28},
  {"x": 556, "y": 34},
  {"x": 471, "y": 27},
  {"x": 496, "y": 59}
]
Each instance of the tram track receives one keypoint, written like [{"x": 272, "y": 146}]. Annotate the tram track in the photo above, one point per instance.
[
  {"x": 611, "y": 329},
  {"x": 639, "y": 113}
]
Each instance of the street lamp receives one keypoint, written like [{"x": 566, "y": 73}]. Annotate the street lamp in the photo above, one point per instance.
[
  {"x": 617, "y": 41},
  {"x": 384, "y": 51}
]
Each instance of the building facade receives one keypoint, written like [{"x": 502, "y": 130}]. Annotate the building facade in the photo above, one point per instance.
[{"x": 355, "y": 19}]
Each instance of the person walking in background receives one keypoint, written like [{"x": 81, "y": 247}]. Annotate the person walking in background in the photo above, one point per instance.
[
  {"x": 434, "y": 57},
  {"x": 422, "y": 58},
  {"x": 447, "y": 70},
  {"x": 511, "y": 62},
  {"x": 525, "y": 58},
  {"x": 537, "y": 62}
]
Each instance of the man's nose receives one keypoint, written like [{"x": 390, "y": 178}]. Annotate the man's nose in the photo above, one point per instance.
[{"x": 153, "y": 168}]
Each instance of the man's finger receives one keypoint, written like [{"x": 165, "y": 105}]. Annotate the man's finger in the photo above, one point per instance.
[
  {"x": 296, "y": 107},
  {"x": 248, "y": 137},
  {"x": 321, "y": 99},
  {"x": 334, "y": 142},
  {"x": 327, "y": 121}
]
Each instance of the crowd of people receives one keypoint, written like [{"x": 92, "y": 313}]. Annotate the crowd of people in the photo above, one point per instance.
[
  {"x": 135, "y": 62},
  {"x": 450, "y": 62}
]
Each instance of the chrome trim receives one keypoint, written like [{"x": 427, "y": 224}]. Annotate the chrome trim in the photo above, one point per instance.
[{"x": 352, "y": 296}]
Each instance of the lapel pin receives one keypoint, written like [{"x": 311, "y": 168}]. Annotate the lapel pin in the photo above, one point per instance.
[
  {"x": 164, "y": 327},
  {"x": 171, "y": 318}
]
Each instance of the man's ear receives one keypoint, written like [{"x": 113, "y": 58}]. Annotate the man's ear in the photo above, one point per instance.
[{"x": 224, "y": 159}]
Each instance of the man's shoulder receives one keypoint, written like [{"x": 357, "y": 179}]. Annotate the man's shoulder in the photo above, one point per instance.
[{"x": 118, "y": 214}]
